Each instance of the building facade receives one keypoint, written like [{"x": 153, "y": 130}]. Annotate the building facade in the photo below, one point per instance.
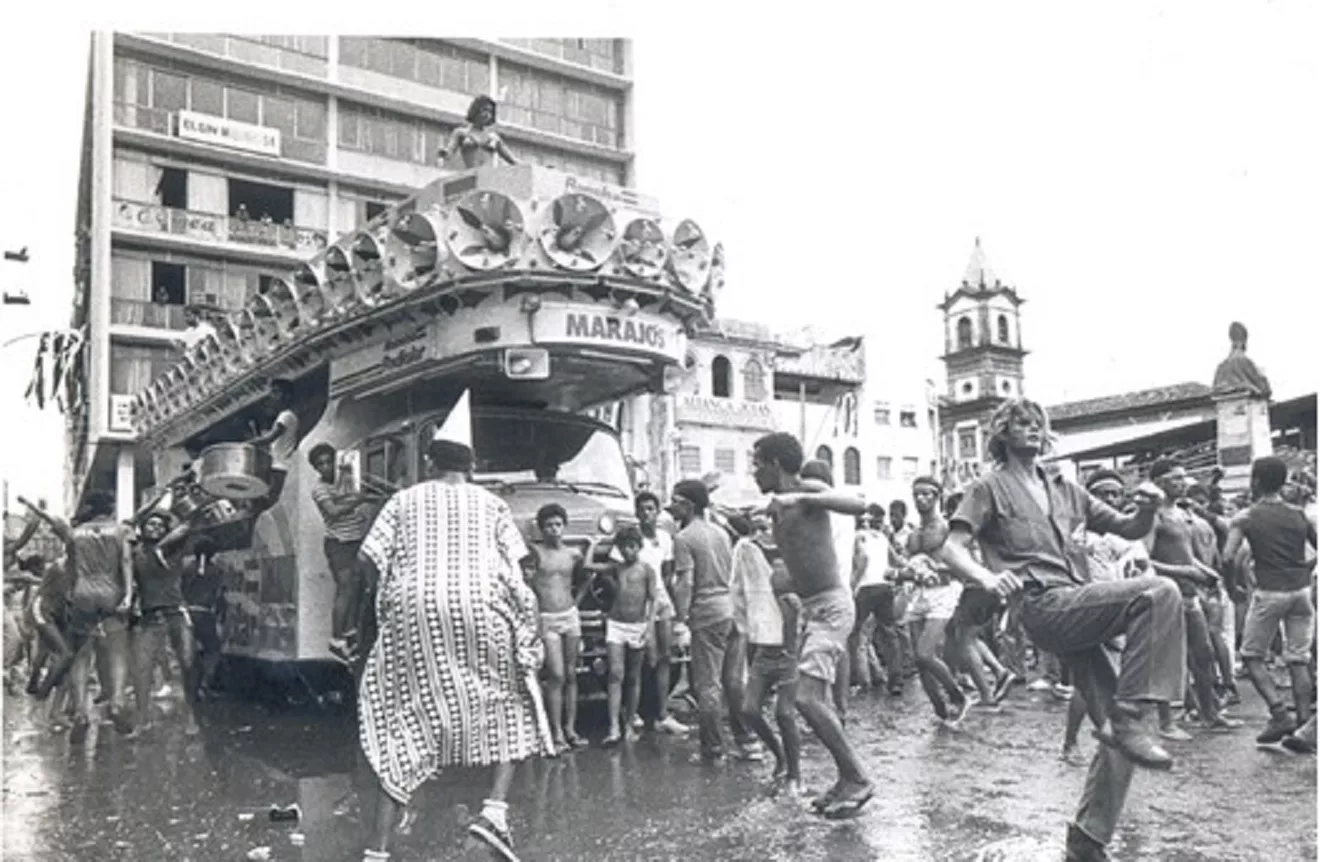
[
  {"x": 983, "y": 358},
  {"x": 212, "y": 163}
]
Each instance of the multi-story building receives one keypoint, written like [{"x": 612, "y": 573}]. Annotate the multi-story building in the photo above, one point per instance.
[
  {"x": 983, "y": 358},
  {"x": 213, "y": 162},
  {"x": 742, "y": 381}
]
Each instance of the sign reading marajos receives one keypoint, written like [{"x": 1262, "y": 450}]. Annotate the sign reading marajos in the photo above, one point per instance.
[
  {"x": 229, "y": 133},
  {"x": 589, "y": 325}
]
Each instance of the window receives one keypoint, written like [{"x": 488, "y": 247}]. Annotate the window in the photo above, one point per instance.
[
  {"x": 208, "y": 97},
  {"x": 689, "y": 460},
  {"x": 964, "y": 333},
  {"x": 823, "y": 453},
  {"x": 1007, "y": 387},
  {"x": 168, "y": 283},
  {"x": 852, "y": 467},
  {"x": 560, "y": 105},
  {"x": 1003, "y": 329},
  {"x": 259, "y": 201},
  {"x": 172, "y": 190},
  {"x": 967, "y": 387},
  {"x": 884, "y": 467},
  {"x": 967, "y": 444},
  {"x": 720, "y": 373},
  {"x": 881, "y": 413},
  {"x": 169, "y": 92},
  {"x": 907, "y": 417},
  {"x": 910, "y": 468},
  {"x": 277, "y": 113},
  {"x": 243, "y": 105},
  {"x": 726, "y": 461},
  {"x": 754, "y": 381}
]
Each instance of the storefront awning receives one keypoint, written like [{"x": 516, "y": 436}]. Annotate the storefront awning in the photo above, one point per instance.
[{"x": 1129, "y": 439}]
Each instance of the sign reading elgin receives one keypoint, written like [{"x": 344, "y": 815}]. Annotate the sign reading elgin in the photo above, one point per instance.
[
  {"x": 229, "y": 133},
  {"x": 588, "y": 325}
]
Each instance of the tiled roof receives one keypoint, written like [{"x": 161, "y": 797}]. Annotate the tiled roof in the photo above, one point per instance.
[{"x": 1141, "y": 399}]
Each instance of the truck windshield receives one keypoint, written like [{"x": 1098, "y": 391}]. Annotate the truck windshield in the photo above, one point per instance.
[{"x": 544, "y": 448}]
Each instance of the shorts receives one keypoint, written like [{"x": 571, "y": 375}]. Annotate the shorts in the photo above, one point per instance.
[
  {"x": 826, "y": 622},
  {"x": 934, "y": 603},
  {"x": 96, "y": 624},
  {"x": 341, "y": 556},
  {"x": 631, "y": 635},
  {"x": 561, "y": 623},
  {"x": 773, "y": 666},
  {"x": 976, "y": 607},
  {"x": 1266, "y": 610}
]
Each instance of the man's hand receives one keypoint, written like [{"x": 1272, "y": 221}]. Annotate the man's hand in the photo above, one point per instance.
[
  {"x": 1004, "y": 584},
  {"x": 1148, "y": 496}
]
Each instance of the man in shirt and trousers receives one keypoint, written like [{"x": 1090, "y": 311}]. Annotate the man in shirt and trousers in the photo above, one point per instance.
[
  {"x": 451, "y": 677},
  {"x": 1024, "y": 515},
  {"x": 345, "y": 526}
]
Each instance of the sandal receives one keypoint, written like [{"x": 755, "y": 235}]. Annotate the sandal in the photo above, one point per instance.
[{"x": 848, "y": 806}]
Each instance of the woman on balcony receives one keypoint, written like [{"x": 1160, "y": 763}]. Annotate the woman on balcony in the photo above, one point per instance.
[{"x": 477, "y": 142}]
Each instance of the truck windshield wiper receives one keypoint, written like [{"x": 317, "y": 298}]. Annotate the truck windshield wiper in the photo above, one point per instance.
[
  {"x": 603, "y": 486},
  {"x": 554, "y": 483}
]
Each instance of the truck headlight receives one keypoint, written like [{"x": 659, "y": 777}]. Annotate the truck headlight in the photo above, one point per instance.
[{"x": 605, "y": 524}]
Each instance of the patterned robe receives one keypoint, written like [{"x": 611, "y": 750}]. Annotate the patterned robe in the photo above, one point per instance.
[{"x": 444, "y": 683}]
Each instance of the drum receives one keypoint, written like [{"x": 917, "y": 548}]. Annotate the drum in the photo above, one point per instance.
[
  {"x": 235, "y": 471},
  {"x": 188, "y": 501}
]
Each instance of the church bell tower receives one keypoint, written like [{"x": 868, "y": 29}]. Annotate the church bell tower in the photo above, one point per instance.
[{"x": 983, "y": 357}]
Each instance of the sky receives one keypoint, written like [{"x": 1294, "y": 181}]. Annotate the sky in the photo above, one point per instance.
[{"x": 1142, "y": 173}]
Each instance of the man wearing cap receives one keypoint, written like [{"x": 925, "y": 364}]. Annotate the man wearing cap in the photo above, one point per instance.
[
  {"x": 1024, "y": 514},
  {"x": 451, "y": 677},
  {"x": 800, "y": 510},
  {"x": 703, "y": 568},
  {"x": 158, "y": 575}
]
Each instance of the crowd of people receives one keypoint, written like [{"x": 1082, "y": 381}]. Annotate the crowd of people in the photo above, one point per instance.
[{"x": 1141, "y": 606}]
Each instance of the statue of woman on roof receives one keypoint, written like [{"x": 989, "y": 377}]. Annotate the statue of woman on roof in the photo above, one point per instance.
[{"x": 1238, "y": 373}]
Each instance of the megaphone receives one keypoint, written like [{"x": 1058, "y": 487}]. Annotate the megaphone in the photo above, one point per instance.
[
  {"x": 413, "y": 251},
  {"x": 367, "y": 256}
]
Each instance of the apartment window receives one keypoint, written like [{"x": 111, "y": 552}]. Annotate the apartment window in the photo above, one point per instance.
[
  {"x": 689, "y": 460},
  {"x": 582, "y": 166},
  {"x": 243, "y": 105},
  {"x": 964, "y": 333},
  {"x": 560, "y": 106},
  {"x": 435, "y": 64},
  {"x": 967, "y": 444},
  {"x": 823, "y": 453},
  {"x": 168, "y": 283},
  {"x": 852, "y": 467},
  {"x": 721, "y": 373},
  {"x": 207, "y": 97},
  {"x": 884, "y": 467},
  {"x": 907, "y": 417},
  {"x": 881, "y": 413},
  {"x": 910, "y": 468},
  {"x": 172, "y": 190},
  {"x": 132, "y": 366},
  {"x": 169, "y": 92},
  {"x": 390, "y": 136},
  {"x": 726, "y": 461},
  {"x": 259, "y": 202}
]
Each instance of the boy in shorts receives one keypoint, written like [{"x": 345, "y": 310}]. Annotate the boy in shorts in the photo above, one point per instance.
[
  {"x": 556, "y": 569},
  {"x": 627, "y": 631},
  {"x": 772, "y": 638}
]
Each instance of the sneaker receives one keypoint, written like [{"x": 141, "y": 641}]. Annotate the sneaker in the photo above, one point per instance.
[
  {"x": 497, "y": 839},
  {"x": 637, "y": 723},
  {"x": 958, "y": 710},
  {"x": 1174, "y": 733},
  {"x": 673, "y": 726},
  {"x": 1280, "y": 725},
  {"x": 1222, "y": 723},
  {"x": 1297, "y": 745},
  {"x": 748, "y": 754}
]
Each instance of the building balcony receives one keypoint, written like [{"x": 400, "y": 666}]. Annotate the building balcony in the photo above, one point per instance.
[
  {"x": 137, "y": 312},
  {"x": 289, "y": 242}
]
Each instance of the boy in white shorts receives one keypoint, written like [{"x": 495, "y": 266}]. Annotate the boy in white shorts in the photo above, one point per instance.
[
  {"x": 557, "y": 570},
  {"x": 628, "y": 631}
]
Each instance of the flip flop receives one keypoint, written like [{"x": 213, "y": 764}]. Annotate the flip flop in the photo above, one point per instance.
[
  {"x": 839, "y": 809},
  {"x": 825, "y": 800}
]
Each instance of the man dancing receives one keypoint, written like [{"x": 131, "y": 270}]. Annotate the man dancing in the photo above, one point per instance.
[
  {"x": 451, "y": 679},
  {"x": 1024, "y": 515},
  {"x": 800, "y": 511}
]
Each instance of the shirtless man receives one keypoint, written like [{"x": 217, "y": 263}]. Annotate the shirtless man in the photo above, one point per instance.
[
  {"x": 801, "y": 514},
  {"x": 1172, "y": 555},
  {"x": 627, "y": 632},
  {"x": 557, "y": 571}
]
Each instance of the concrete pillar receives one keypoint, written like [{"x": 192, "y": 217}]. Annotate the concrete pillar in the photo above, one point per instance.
[
  {"x": 98, "y": 311},
  {"x": 125, "y": 484},
  {"x": 1243, "y": 435}
]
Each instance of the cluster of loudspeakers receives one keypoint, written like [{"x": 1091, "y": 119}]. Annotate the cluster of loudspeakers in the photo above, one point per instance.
[{"x": 481, "y": 232}]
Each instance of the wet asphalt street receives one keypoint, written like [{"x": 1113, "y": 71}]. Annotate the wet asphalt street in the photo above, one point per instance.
[{"x": 992, "y": 789}]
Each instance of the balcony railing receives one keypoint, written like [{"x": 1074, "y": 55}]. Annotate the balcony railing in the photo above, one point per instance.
[
  {"x": 212, "y": 227},
  {"x": 138, "y": 312}
]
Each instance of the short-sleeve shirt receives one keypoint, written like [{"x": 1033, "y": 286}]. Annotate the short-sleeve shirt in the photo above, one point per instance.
[
  {"x": 704, "y": 549},
  {"x": 350, "y": 526},
  {"x": 1278, "y": 535},
  {"x": 1016, "y": 536},
  {"x": 96, "y": 559},
  {"x": 159, "y": 579},
  {"x": 283, "y": 447}
]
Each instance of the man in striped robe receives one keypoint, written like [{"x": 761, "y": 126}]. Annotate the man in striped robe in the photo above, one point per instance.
[{"x": 447, "y": 681}]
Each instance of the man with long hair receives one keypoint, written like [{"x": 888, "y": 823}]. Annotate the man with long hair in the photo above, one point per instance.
[{"x": 1024, "y": 515}]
